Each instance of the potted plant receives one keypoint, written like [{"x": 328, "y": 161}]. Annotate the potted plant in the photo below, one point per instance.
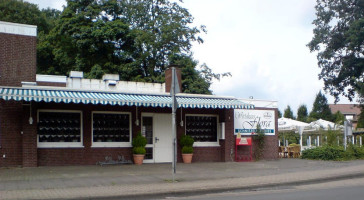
[
  {"x": 186, "y": 142},
  {"x": 139, "y": 151}
]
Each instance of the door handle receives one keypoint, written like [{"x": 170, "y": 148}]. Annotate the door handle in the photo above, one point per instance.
[{"x": 156, "y": 139}]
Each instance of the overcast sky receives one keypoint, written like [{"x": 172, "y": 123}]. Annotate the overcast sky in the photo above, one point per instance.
[{"x": 261, "y": 42}]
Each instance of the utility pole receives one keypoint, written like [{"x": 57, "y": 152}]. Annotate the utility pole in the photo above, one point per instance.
[
  {"x": 348, "y": 131},
  {"x": 174, "y": 89}
]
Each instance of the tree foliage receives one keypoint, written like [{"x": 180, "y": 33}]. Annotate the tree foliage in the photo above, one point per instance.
[
  {"x": 288, "y": 113},
  {"x": 23, "y": 12},
  {"x": 162, "y": 29},
  {"x": 136, "y": 39},
  {"x": 360, "y": 123},
  {"x": 87, "y": 39},
  {"x": 279, "y": 114},
  {"x": 302, "y": 113},
  {"x": 17, "y": 11},
  {"x": 321, "y": 109},
  {"x": 338, "y": 118},
  {"x": 339, "y": 41}
]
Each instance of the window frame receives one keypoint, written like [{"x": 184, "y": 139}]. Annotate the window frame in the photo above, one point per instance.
[
  {"x": 61, "y": 144},
  {"x": 111, "y": 144},
  {"x": 218, "y": 134}
]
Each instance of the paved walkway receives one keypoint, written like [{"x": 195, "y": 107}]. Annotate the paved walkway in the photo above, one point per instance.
[{"x": 79, "y": 182}]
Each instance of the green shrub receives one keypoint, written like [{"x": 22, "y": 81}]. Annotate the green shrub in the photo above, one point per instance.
[
  {"x": 331, "y": 137},
  {"x": 186, "y": 140},
  {"x": 187, "y": 150},
  {"x": 355, "y": 152},
  {"x": 334, "y": 153},
  {"x": 325, "y": 153},
  {"x": 139, "y": 150},
  {"x": 139, "y": 141}
]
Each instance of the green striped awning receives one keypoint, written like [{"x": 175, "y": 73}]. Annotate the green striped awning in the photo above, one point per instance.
[{"x": 113, "y": 98}]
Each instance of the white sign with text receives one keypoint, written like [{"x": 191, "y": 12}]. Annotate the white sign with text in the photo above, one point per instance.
[{"x": 246, "y": 121}]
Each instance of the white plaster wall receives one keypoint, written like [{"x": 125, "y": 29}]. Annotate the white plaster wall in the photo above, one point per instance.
[
  {"x": 18, "y": 29},
  {"x": 121, "y": 86}
]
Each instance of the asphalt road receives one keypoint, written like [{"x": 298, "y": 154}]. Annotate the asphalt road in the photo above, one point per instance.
[{"x": 352, "y": 189}]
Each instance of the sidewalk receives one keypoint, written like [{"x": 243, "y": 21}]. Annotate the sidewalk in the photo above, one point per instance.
[{"x": 77, "y": 182}]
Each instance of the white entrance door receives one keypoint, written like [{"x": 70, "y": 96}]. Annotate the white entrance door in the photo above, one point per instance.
[
  {"x": 159, "y": 137},
  {"x": 163, "y": 138}
]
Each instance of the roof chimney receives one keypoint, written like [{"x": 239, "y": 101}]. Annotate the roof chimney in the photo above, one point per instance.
[
  {"x": 168, "y": 74},
  {"x": 111, "y": 79},
  {"x": 76, "y": 77}
]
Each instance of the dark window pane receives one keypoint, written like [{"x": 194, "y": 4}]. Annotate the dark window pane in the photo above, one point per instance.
[
  {"x": 148, "y": 129},
  {"x": 59, "y": 127},
  {"x": 149, "y": 153},
  {"x": 111, "y": 127},
  {"x": 202, "y": 128}
]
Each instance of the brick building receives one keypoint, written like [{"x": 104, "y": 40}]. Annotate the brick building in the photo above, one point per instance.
[
  {"x": 58, "y": 120},
  {"x": 350, "y": 111}
]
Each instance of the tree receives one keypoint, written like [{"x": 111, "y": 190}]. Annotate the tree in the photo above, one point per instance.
[
  {"x": 321, "y": 109},
  {"x": 339, "y": 118},
  {"x": 338, "y": 39},
  {"x": 302, "y": 113},
  {"x": 23, "y": 12},
  {"x": 279, "y": 114},
  {"x": 162, "y": 29},
  {"x": 192, "y": 82},
  {"x": 86, "y": 38},
  {"x": 360, "y": 123},
  {"x": 27, "y": 13},
  {"x": 135, "y": 39},
  {"x": 288, "y": 113}
]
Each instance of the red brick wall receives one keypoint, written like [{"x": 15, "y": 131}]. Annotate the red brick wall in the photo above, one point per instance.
[
  {"x": 21, "y": 149},
  {"x": 17, "y": 59},
  {"x": 85, "y": 155},
  {"x": 168, "y": 78},
  {"x": 43, "y": 83},
  {"x": 10, "y": 133},
  {"x": 229, "y": 136},
  {"x": 29, "y": 144},
  {"x": 271, "y": 142}
]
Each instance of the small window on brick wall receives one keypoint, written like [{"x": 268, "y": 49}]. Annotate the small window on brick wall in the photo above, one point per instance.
[
  {"x": 203, "y": 129},
  {"x": 59, "y": 128},
  {"x": 111, "y": 129}
]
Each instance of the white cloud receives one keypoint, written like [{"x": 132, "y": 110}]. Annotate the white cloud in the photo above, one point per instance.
[
  {"x": 263, "y": 44},
  {"x": 57, "y": 4}
]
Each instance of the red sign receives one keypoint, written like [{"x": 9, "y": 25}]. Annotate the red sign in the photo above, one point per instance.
[{"x": 244, "y": 141}]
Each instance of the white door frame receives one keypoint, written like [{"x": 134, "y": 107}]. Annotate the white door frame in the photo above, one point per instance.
[{"x": 155, "y": 126}]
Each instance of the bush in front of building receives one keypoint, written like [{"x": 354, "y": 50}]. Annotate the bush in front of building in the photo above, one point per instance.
[
  {"x": 355, "y": 151},
  {"x": 327, "y": 152},
  {"x": 187, "y": 150},
  {"x": 139, "y": 150},
  {"x": 139, "y": 143},
  {"x": 186, "y": 142}
]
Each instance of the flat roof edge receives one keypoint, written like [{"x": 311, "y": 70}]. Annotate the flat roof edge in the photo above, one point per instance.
[{"x": 18, "y": 29}]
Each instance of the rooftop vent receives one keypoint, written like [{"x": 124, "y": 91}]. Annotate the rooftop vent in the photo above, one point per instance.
[
  {"x": 111, "y": 77},
  {"x": 76, "y": 74}
]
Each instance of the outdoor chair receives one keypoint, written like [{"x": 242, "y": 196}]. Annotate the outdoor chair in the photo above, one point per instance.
[
  {"x": 297, "y": 151},
  {"x": 280, "y": 152}
]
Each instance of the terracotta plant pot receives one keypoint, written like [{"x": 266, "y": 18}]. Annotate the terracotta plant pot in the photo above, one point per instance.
[
  {"x": 138, "y": 159},
  {"x": 187, "y": 158}
]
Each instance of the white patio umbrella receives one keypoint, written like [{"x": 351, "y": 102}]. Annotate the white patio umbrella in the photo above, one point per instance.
[
  {"x": 286, "y": 124},
  {"x": 326, "y": 125}
]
